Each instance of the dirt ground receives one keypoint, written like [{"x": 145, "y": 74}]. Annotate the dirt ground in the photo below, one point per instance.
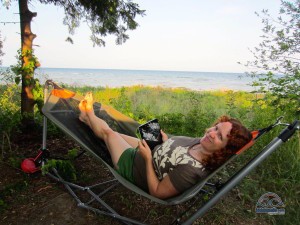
[{"x": 37, "y": 199}]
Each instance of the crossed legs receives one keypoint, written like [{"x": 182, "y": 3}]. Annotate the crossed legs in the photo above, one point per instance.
[{"x": 115, "y": 142}]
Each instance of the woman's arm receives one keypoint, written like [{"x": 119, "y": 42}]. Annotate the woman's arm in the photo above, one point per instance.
[
  {"x": 164, "y": 136},
  {"x": 160, "y": 189}
]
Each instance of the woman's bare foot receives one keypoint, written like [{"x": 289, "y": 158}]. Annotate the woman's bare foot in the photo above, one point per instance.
[
  {"x": 86, "y": 108},
  {"x": 89, "y": 102},
  {"x": 83, "y": 115}
]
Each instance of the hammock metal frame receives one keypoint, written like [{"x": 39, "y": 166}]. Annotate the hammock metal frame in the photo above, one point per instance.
[{"x": 53, "y": 94}]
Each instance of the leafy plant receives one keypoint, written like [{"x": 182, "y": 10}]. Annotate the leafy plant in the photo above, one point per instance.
[
  {"x": 19, "y": 69},
  {"x": 65, "y": 167},
  {"x": 9, "y": 115},
  {"x": 277, "y": 63}
]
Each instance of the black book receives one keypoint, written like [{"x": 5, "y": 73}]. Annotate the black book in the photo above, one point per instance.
[{"x": 150, "y": 132}]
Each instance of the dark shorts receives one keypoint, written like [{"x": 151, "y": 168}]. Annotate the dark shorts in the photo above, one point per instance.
[{"x": 125, "y": 164}]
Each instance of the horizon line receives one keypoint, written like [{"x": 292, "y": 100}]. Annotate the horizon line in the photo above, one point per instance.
[{"x": 159, "y": 70}]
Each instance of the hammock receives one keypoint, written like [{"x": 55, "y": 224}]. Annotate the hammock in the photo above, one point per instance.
[{"x": 61, "y": 107}]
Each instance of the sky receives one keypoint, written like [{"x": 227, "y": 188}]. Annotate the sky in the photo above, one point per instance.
[{"x": 174, "y": 35}]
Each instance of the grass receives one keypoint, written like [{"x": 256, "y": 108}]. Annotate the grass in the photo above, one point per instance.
[{"x": 183, "y": 112}]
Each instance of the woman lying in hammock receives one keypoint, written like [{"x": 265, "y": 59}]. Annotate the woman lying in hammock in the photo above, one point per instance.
[{"x": 175, "y": 165}]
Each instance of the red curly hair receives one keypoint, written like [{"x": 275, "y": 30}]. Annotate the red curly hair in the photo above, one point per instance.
[{"x": 237, "y": 138}]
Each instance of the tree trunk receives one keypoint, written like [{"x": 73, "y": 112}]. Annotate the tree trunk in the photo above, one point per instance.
[{"x": 27, "y": 100}]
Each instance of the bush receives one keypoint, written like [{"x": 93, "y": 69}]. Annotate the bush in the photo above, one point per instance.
[{"x": 10, "y": 116}]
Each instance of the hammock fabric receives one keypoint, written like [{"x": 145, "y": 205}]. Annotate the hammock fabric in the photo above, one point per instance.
[{"x": 64, "y": 113}]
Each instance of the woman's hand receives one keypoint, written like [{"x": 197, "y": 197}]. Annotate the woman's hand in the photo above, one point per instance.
[
  {"x": 160, "y": 189},
  {"x": 164, "y": 136},
  {"x": 145, "y": 150}
]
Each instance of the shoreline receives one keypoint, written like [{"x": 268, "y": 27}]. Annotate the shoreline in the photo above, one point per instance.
[
  {"x": 141, "y": 86},
  {"x": 222, "y": 90},
  {"x": 193, "y": 81}
]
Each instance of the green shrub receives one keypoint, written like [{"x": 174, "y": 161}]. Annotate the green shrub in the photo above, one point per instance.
[
  {"x": 10, "y": 116},
  {"x": 65, "y": 167}
]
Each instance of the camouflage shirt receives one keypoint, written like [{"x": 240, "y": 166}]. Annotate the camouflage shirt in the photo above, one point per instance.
[{"x": 172, "y": 158}]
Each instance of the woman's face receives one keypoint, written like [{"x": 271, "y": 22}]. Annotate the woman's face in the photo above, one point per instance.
[{"x": 215, "y": 137}]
